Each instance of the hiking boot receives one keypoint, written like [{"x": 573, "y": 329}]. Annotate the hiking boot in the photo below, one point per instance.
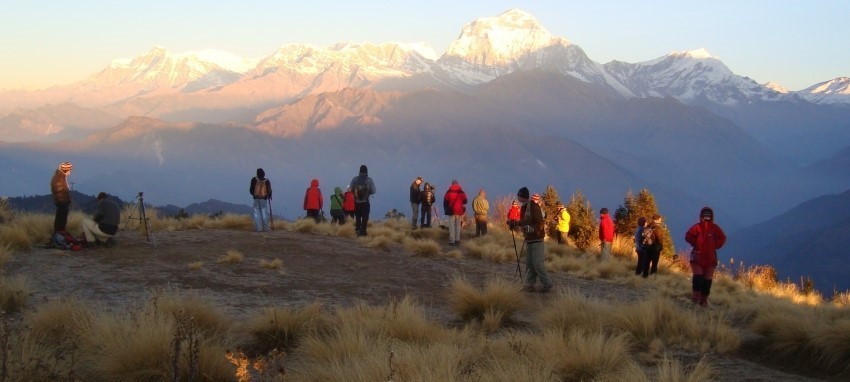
[
  {"x": 546, "y": 289},
  {"x": 703, "y": 301},
  {"x": 528, "y": 289},
  {"x": 696, "y": 297}
]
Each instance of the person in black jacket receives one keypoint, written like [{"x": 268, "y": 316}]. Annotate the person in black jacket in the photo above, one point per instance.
[
  {"x": 415, "y": 199},
  {"x": 428, "y": 199}
]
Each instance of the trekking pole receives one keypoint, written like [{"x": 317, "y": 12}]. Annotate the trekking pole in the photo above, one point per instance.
[
  {"x": 518, "y": 268},
  {"x": 271, "y": 215}
]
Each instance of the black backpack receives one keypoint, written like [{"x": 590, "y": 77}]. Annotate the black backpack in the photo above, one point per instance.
[{"x": 361, "y": 190}]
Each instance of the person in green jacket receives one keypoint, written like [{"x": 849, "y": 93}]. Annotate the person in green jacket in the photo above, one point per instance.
[{"x": 337, "y": 213}]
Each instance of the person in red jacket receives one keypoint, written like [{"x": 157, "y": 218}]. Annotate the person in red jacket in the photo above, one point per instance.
[
  {"x": 348, "y": 203},
  {"x": 706, "y": 238},
  {"x": 313, "y": 200},
  {"x": 454, "y": 202},
  {"x": 606, "y": 234},
  {"x": 513, "y": 213}
]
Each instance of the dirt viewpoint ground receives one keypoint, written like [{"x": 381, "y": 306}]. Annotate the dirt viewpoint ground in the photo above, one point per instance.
[{"x": 334, "y": 270}]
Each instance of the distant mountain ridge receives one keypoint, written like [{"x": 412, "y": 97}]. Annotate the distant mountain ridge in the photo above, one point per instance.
[{"x": 808, "y": 240}]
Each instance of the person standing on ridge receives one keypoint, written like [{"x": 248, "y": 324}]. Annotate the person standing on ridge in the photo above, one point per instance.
[
  {"x": 337, "y": 213},
  {"x": 641, "y": 253},
  {"x": 428, "y": 200},
  {"x": 652, "y": 245},
  {"x": 348, "y": 203},
  {"x": 533, "y": 226},
  {"x": 563, "y": 219},
  {"x": 261, "y": 191},
  {"x": 61, "y": 191},
  {"x": 481, "y": 208},
  {"x": 454, "y": 203},
  {"x": 706, "y": 237},
  {"x": 606, "y": 234},
  {"x": 313, "y": 200},
  {"x": 363, "y": 188},
  {"x": 415, "y": 199}
]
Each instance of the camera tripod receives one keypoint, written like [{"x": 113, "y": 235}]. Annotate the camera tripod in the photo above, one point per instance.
[{"x": 142, "y": 218}]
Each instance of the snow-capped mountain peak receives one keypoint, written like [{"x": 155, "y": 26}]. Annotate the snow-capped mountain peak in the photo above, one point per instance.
[
  {"x": 776, "y": 87},
  {"x": 835, "y": 91},
  {"x": 501, "y": 39}
]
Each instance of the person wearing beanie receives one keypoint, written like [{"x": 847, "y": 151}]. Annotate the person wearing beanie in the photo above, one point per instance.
[
  {"x": 606, "y": 234},
  {"x": 428, "y": 198},
  {"x": 313, "y": 201},
  {"x": 454, "y": 203},
  {"x": 363, "y": 188},
  {"x": 61, "y": 191},
  {"x": 481, "y": 208},
  {"x": 104, "y": 224},
  {"x": 261, "y": 190},
  {"x": 531, "y": 222},
  {"x": 706, "y": 237},
  {"x": 415, "y": 199}
]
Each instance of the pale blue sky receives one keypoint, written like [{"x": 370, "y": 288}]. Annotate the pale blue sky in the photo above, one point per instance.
[{"x": 794, "y": 43}]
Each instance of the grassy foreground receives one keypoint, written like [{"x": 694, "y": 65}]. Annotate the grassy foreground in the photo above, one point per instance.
[{"x": 175, "y": 336}]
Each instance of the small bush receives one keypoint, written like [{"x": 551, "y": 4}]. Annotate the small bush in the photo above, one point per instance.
[{"x": 231, "y": 257}]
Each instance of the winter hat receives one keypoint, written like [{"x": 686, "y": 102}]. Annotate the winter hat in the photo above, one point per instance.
[
  {"x": 603, "y": 211},
  {"x": 364, "y": 170},
  {"x": 454, "y": 181},
  {"x": 514, "y": 203},
  {"x": 522, "y": 193},
  {"x": 260, "y": 173},
  {"x": 535, "y": 198},
  {"x": 65, "y": 166},
  {"x": 706, "y": 214}
]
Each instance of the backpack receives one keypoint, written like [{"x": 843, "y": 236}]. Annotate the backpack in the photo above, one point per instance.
[
  {"x": 361, "y": 190},
  {"x": 64, "y": 240},
  {"x": 646, "y": 238},
  {"x": 261, "y": 189}
]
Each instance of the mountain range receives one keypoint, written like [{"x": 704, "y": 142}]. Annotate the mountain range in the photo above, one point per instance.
[{"x": 506, "y": 105}]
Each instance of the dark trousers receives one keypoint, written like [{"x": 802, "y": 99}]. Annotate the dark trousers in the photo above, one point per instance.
[
  {"x": 349, "y": 214},
  {"x": 61, "y": 218},
  {"x": 642, "y": 262},
  {"x": 480, "y": 225},
  {"x": 337, "y": 216},
  {"x": 425, "y": 219},
  {"x": 313, "y": 214},
  {"x": 361, "y": 217},
  {"x": 651, "y": 267}
]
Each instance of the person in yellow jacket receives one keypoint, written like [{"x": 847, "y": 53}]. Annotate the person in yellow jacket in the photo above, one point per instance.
[{"x": 563, "y": 224}]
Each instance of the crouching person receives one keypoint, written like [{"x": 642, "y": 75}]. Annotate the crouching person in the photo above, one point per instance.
[{"x": 104, "y": 223}]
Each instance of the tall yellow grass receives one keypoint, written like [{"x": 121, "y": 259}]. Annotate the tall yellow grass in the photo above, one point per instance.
[
  {"x": 499, "y": 298},
  {"x": 14, "y": 293}
]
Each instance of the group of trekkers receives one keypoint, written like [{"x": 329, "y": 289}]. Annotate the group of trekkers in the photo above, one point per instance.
[
  {"x": 353, "y": 203},
  {"x": 525, "y": 215}
]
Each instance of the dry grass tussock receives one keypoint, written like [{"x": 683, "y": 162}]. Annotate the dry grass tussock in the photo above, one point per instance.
[
  {"x": 498, "y": 298},
  {"x": 274, "y": 264},
  {"x": 14, "y": 293},
  {"x": 810, "y": 337},
  {"x": 671, "y": 370},
  {"x": 490, "y": 248},
  {"x": 232, "y": 256},
  {"x": 195, "y": 265},
  {"x": 282, "y": 328},
  {"x": 6, "y": 254},
  {"x": 422, "y": 247}
]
